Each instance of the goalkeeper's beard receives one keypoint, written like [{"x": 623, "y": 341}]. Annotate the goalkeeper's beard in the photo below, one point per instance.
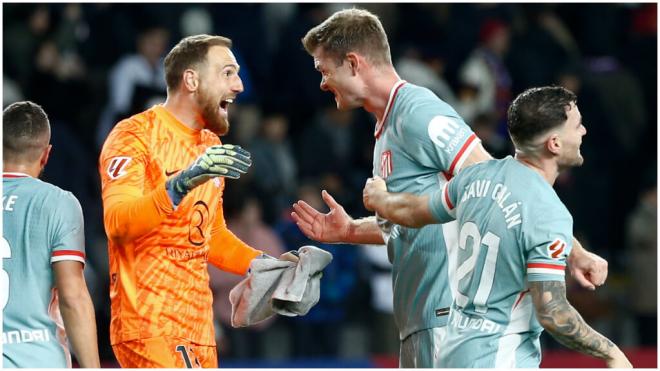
[{"x": 211, "y": 115}]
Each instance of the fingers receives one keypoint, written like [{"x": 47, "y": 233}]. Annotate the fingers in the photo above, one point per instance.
[
  {"x": 583, "y": 281},
  {"x": 290, "y": 256},
  {"x": 229, "y": 157},
  {"x": 329, "y": 200},
  {"x": 227, "y": 160},
  {"x": 305, "y": 211},
  {"x": 304, "y": 226},
  {"x": 238, "y": 149}
]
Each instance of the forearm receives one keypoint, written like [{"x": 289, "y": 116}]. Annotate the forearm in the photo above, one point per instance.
[
  {"x": 128, "y": 219},
  {"x": 80, "y": 324},
  {"x": 403, "y": 208},
  {"x": 364, "y": 231},
  {"x": 229, "y": 253},
  {"x": 565, "y": 324}
]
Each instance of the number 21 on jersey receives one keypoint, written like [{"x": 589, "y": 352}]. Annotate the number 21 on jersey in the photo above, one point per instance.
[{"x": 465, "y": 271}]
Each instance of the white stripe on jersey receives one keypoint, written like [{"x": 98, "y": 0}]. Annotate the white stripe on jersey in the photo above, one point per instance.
[
  {"x": 519, "y": 322},
  {"x": 506, "y": 351},
  {"x": 444, "y": 197},
  {"x": 465, "y": 155},
  {"x": 450, "y": 235},
  {"x": 58, "y": 258},
  {"x": 556, "y": 272}
]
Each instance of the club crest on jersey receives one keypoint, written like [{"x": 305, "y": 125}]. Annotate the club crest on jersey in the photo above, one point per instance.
[
  {"x": 117, "y": 166},
  {"x": 386, "y": 164},
  {"x": 556, "y": 249}
]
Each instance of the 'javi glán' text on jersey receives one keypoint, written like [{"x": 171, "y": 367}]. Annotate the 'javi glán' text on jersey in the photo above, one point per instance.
[
  {"x": 420, "y": 143},
  {"x": 513, "y": 229},
  {"x": 41, "y": 225}
]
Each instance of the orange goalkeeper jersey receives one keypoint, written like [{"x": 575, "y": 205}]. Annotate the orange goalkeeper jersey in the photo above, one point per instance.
[{"x": 159, "y": 283}]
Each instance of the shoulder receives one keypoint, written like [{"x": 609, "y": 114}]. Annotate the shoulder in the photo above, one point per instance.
[
  {"x": 137, "y": 124},
  {"x": 547, "y": 206},
  {"x": 421, "y": 111},
  {"x": 130, "y": 131},
  {"x": 425, "y": 102},
  {"x": 481, "y": 170},
  {"x": 54, "y": 198}
]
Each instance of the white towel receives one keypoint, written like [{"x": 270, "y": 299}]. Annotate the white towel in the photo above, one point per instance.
[{"x": 277, "y": 286}]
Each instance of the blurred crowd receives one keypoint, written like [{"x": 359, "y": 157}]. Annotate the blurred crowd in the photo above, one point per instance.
[{"x": 90, "y": 65}]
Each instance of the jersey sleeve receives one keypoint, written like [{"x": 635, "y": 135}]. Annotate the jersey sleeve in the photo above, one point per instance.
[
  {"x": 130, "y": 211},
  {"x": 226, "y": 251},
  {"x": 68, "y": 237},
  {"x": 442, "y": 203},
  {"x": 548, "y": 244},
  {"x": 438, "y": 140}
]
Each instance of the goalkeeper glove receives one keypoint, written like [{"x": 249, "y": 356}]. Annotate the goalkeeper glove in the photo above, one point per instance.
[{"x": 225, "y": 160}]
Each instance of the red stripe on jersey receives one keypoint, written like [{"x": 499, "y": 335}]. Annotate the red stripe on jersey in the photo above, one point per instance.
[
  {"x": 9, "y": 175},
  {"x": 381, "y": 124},
  {"x": 460, "y": 153},
  {"x": 69, "y": 252},
  {"x": 543, "y": 265},
  {"x": 447, "y": 200},
  {"x": 522, "y": 294}
]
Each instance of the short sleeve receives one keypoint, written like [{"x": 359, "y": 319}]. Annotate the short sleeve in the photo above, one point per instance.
[
  {"x": 548, "y": 244},
  {"x": 443, "y": 203},
  {"x": 68, "y": 237},
  {"x": 438, "y": 140}
]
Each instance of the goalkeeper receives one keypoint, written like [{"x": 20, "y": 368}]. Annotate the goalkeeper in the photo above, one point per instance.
[{"x": 163, "y": 174}]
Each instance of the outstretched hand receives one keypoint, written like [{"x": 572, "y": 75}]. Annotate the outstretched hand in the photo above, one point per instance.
[{"x": 333, "y": 226}]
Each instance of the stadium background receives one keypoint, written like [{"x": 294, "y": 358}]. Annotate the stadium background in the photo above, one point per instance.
[{"x": 89, "y": 65}]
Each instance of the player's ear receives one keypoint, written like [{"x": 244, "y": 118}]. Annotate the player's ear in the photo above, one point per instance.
[
  {"x": 553, "y": 144},
  {"x": 353, "y": 62},
  {"x": 190, "y": 80},
  {"x": 45, "y": 155}
]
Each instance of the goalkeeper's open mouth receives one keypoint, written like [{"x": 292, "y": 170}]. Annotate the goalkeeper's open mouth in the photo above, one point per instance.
[{"x": 224, "y": 104}]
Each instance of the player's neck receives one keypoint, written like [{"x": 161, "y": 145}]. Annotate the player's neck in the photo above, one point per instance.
[
  {"x": 379, "y": 87},
  {"x": 180, "y": 108},
  {"x": 547, "y": 168},
  {"x": 31, "y": 170}
]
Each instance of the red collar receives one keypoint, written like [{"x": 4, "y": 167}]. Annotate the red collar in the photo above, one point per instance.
[
  {"x": 381, "y": 124},
  {"x": 14, "y": 175}
]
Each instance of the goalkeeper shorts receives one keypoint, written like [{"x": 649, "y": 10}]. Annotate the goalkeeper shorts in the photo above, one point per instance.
[{"x": 165, "y": 352}]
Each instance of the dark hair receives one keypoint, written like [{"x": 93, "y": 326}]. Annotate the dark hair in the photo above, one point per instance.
[
  {"x": 536, "y": 111},
  {"x": 26, "y": 132},
  {"x": 350, "y": 30},
  {"x": 189, "y": 52}
]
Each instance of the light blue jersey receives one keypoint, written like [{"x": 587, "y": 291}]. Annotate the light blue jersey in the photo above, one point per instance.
[
  {"x": 420, "y": 143},
  {"x": 41, "y": 225},
  {"x": 513, "y": 229}
]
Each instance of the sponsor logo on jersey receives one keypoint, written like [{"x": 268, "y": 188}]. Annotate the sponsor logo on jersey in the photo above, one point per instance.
[
  {"x": 386, "y": 164},
  {"x": 556, "y": 249},
  {"x": 445, "y": 132},
  {"x": 117, "y": 167}
]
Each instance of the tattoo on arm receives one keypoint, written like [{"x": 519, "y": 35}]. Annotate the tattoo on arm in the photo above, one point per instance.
[{"x": 564, "y": 323}]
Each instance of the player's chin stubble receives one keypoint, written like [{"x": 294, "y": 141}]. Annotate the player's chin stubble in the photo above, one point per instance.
[{"x": 214, "y": 121}]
